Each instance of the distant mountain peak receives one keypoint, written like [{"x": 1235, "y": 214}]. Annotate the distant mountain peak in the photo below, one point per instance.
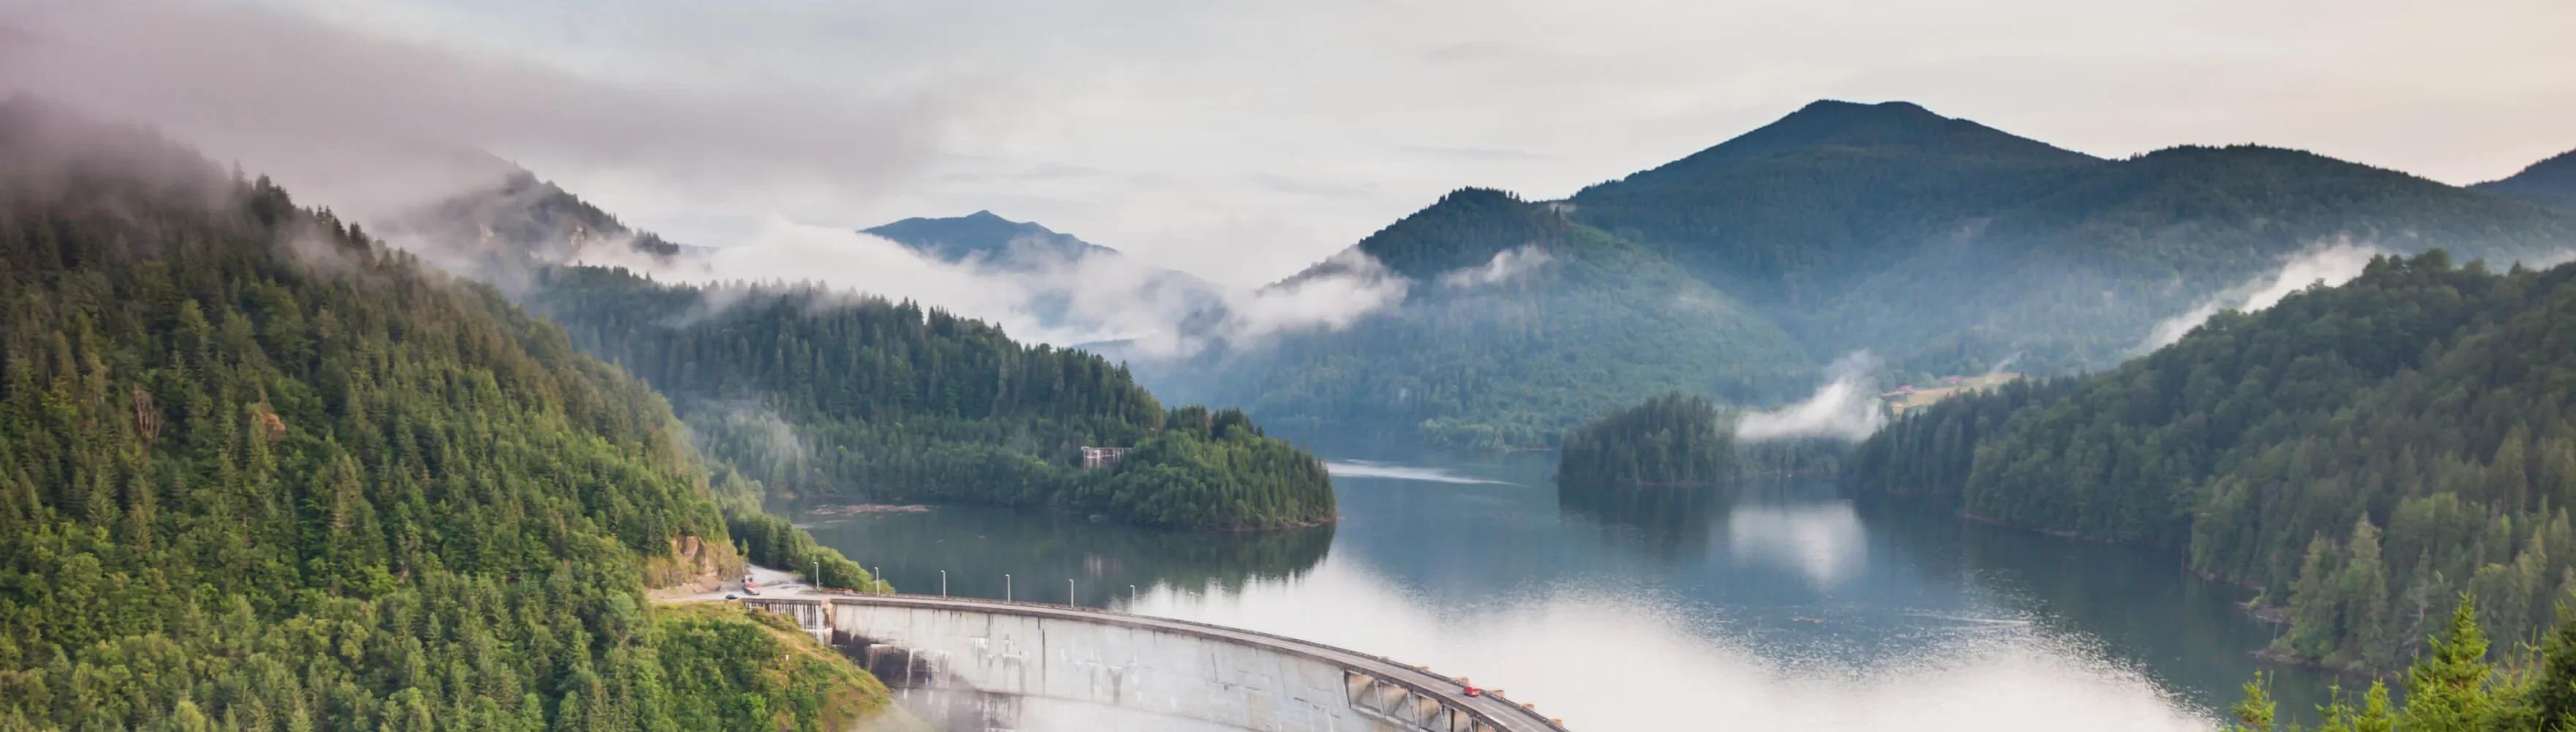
[
  {"x": 981, "y": 234},
  {"x": 1833, "y": 133},
  {"x": 1892, "y": 124},
  {"x": 1840, "y": 109}
]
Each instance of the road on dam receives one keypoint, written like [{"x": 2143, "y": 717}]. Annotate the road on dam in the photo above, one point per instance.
[{"x": 1482, "y": 711}]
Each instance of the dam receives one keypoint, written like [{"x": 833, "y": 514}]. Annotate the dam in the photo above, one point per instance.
[{"x": 1028, "y": 667}]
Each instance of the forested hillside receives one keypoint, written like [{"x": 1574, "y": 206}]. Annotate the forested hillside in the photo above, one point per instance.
[
  {"x": 2550, "y": 183},
  {"x": 2456, "y": 685},
  {"x": 2361, "y": 454},
  {"x": 824, "y": 396},
  {"x": 1941, "y": 245},
  {"x": 258, "y": 471},
  {"x": 1948, "y": 247},
  {"x": 1794, "y": 209},
  {"x": 1520, "y": 324}
]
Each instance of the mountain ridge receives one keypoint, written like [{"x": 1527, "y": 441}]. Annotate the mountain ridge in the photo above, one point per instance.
[
  {"x": 1940, "y": 244},
  {"x": 2550, "y": 182}
]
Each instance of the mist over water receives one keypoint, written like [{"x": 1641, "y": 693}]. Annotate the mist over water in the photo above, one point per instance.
[
  {"x": 1782, "y": 608},
  {"x": 1374, "y": 469}
]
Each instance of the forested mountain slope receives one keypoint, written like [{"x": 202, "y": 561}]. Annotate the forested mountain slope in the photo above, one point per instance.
[
  {"x": 1795, "y": 208},
  {"x": 1948, "y": 246},
  {"x": 823, "y": 395},
  {"x": 1941, "y": 245},
  {"x": 2361, "y": 453},
  {"x": 1518, "y": 324},
  {"x": 2550, "y": 183},
  {"x": 260, "y": 471}
]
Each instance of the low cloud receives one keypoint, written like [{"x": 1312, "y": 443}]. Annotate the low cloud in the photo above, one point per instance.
[
  {"x": 2324, "y": 263},
  {"x": 776, "y": 435},
  {"x": 1035, "y": 294},
  {"x": 368, "y": 124},
  {"x": 1846, "y": 407},
  {"x": 1505, "y": 265},
  {"x": 1350, "y": 285}
]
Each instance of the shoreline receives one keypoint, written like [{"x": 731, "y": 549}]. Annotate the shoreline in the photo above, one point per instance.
[{"x": 2266, "y": 615}]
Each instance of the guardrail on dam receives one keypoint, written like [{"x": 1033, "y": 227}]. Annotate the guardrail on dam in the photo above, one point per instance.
[{"x": 1014, "y": 664}]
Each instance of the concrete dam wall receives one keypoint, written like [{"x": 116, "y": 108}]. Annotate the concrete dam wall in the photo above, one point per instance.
[{"x": 1035, "y": 668}]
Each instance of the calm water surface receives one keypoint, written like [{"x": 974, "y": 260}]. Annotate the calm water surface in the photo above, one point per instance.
[{"x": 1778, "y": 609}]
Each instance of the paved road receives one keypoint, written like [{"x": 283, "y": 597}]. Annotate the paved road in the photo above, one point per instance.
[
  {"x": 773, "y": 584},
  {"x": 1512, "y": 716}
]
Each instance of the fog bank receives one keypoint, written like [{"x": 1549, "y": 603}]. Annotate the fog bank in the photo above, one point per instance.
[
  {"x": 2324, "y": 263},
  {"x": 1846, "y": 407}
]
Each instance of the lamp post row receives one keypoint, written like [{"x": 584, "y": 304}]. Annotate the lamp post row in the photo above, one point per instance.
[{"x": 877, "y": 585}]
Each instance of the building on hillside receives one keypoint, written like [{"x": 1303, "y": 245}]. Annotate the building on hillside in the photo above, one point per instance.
[{"x": 1102, "y": 457}]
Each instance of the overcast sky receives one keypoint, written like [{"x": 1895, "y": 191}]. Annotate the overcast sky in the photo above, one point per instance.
[{"x": 1242, "y": 141}]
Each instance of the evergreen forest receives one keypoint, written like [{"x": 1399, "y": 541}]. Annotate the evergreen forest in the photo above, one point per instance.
[
  {"x": 260, "y": 472},
  {"x": 2359, "y": 455}
]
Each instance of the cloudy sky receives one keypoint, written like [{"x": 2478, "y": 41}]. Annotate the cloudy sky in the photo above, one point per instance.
[{"x": 1241, "y": 141}]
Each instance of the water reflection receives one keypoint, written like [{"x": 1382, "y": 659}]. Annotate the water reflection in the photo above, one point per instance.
[
  {"x": 977, "y": 546},
  {"x": 1376, "y": 469},
  {"x": 1794, "y": 611},
  {"x": 1669, "y": 525},
  {"x": 1823, "y": 542}
]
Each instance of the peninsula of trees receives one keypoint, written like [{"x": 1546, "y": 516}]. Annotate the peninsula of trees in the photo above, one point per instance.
[
  {"x": 1669, "y": 441},
  {"x": 818, "y": 395}
]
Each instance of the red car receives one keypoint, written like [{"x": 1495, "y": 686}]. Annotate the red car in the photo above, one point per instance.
[{"x": 1473, "y": 691}]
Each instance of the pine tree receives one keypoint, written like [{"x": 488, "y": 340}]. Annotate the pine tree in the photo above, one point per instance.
[
  {"x": 2447, "y": 690},
  {"x": 2552, "y": 691},
  {"x": 2254, "y": 712}
]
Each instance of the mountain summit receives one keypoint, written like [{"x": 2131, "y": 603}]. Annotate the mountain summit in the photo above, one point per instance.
[
  {"x": 1854, "y": 128},
  {"x": 983, "y": 234},
  {"x": 1828, "y": 186}
]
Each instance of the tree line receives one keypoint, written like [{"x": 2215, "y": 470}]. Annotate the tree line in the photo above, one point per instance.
[{"x": 2453, "y": 686}]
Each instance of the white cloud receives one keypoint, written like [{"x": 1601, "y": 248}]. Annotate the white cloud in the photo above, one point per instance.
[
  {"x": 1038, "y": 295},
  {"x": 2328, "y": 263},
  {"x": 374, "y": 125},
  {"x": 1354, "y": 285},
  {"x": 1846, "y": 407},
  {"x": 1505, "y": 265},
  {"x": 1218, "y": 138}
]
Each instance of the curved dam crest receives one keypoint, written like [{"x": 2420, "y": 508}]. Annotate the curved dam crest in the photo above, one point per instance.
[{"x": 1032, "y": 668}]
